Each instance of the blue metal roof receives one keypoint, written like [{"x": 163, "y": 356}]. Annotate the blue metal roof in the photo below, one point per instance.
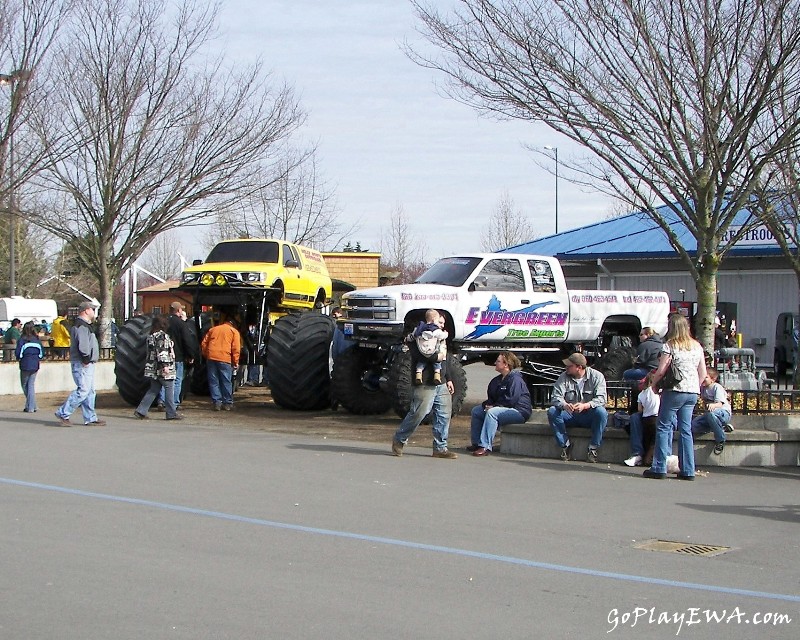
[{"x": 631, "y": 236}]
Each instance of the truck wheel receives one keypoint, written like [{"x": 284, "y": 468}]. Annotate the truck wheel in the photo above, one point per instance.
[
  {"x": 199, "y": 381},
  {"x": 401, "y": 381},
  {"x": 131, "y": 356},
  {"x": 297, "y": 361},
  {"x": 356, "y": 382},
  {"x": 614, "y": 363}
]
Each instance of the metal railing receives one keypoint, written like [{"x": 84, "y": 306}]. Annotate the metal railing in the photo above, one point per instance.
[
  {"x": 54, "y": 354},
  {"x": 743, "y": 402}
]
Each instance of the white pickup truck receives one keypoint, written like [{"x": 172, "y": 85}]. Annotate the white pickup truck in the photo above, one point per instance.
[{"x": 491, "y": 302}]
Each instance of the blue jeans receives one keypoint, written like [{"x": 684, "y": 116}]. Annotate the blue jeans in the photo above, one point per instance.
[
  {"x": 423, "y": 399},
  {"x": 676, "y": 408},
  {"x": 595, "y": 419},
  {"x": 28, "y": 381},
  {"x": 637, "y": 439},
  {"x": 84, "y": 394},
  {"x": 220, "y": 381},
  {"x": 485, "y": 423},
  {"x": 714, "y": 420},
  {"x": 176, "y": 386},
  {"x": 160, "y": 387},
  {"x": 634, "y": 374}
]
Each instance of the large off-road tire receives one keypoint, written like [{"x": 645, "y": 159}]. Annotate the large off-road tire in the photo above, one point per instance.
[
  {"x": 297, "y": 360},
  {"x": 614, "y": 363},
  {"x": 401, "y": 381},
  {"x": 199, "y": 380},
  {"x": 356, "y": 384},
  {"x": 131, "y": 355}
]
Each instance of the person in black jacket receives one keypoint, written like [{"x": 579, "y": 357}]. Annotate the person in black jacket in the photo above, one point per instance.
[
  {"x": 647, "y": 354},
  {"x": 186, "y": 350},
  {"x": 428, "y": 396},
  {"x": 508, "y": 402},
  {"x": 29, "y": 352}
]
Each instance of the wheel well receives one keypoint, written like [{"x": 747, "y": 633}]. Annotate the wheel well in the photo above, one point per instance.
[{"x": 622, "y": 326}]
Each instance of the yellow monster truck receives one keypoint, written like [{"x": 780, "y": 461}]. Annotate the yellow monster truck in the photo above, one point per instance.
[{"x": 273, "y": 289}]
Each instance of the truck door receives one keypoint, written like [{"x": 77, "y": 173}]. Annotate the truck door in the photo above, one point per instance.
[{"x": 505, "y": 306}]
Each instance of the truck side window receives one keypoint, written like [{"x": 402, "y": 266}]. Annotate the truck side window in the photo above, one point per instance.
[
  {"x": 542, "y": 276},
  {"x": 502, "y": 275}
]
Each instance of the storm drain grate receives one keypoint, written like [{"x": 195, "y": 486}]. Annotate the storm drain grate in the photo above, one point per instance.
[{"x": 668, "y": 546}]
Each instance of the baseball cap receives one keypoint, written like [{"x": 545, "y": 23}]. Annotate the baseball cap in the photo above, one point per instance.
[
  {"x": 83, "y": 306},
  {"x": 576, "y": 358},
  {"x": 176, "y": 306}
]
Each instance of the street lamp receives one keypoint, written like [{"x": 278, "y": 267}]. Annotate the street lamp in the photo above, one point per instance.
[
  {"x": 8, "y": 79},
  {"x": 555, "y": 153}
]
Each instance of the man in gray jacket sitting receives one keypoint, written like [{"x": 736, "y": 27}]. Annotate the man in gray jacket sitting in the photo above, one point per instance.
[{"x": 579, "y": 400}]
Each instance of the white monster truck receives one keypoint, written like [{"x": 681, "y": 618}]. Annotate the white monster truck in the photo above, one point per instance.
[{"x": 491, "y": 302}]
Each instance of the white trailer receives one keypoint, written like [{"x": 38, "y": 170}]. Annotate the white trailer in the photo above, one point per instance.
[{"x": 25, "y": 309}]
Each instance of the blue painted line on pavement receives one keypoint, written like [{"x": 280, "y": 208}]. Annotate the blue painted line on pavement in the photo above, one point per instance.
[{"x": 407, "y": 543}]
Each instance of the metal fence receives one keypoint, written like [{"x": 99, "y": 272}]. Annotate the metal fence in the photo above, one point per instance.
[
  {"x": 743, "y": 402},
  {"x": 55, "y": 354}
]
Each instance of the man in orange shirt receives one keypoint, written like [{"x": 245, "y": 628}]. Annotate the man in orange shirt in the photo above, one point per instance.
[{"x": 221, "y": 347}]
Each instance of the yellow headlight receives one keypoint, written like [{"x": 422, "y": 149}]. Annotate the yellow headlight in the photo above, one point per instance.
[
  {"x": 220, "y": 280},
  {"x": 206, "y": 279}
]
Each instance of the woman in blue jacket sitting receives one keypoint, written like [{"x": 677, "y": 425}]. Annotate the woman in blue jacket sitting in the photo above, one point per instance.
[{"x": 508, "y": 402}]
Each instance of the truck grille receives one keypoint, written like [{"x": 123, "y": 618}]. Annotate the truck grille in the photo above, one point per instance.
[{"x": 369, "y": 309}]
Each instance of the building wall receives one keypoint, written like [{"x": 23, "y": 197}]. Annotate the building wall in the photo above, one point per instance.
[
  {"x": 359, "y": 269},
  {"x": 760, "y": 294}
]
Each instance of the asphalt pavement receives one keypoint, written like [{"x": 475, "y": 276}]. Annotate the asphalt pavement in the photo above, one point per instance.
[{"x": 201, "y": 529}]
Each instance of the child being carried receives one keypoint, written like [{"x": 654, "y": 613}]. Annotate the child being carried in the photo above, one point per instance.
[{"x": 431, "y": 343}]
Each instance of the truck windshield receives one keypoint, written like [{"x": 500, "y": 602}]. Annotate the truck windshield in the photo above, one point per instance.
[
  {"x": 452, "y": 272},
  {"x": 244, "y": 252}
]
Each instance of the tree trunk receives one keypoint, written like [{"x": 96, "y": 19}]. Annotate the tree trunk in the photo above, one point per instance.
[{"x": 706, "y": 302}]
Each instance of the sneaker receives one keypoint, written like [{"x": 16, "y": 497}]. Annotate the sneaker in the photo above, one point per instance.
[
  {"x": 566, "y": 452},
  {"x": 481, "y": 451},
  {"x": 177, "y": 416},
  {"x": 95, "y": 423},
  {"x": 681, "y": 476},
  {"x": 227, "y": 407},
  {"x": 719, "y": 447},
  {"x": 728, "y": 428},
  {"x": 63, "y": 422},
  {"x": 649, "y": 473},
  {"x": 160, "y": 407},
  {"x": 634, "y": 461},
  {"x": 140, "y": 416},
  {"x": 473, "y": 447},
  {"x": 444, "y": 453},
  {"x": 397, "y": 448},
  {"x": 217, "y": 406},
  {"x": 591, "y": 455}
]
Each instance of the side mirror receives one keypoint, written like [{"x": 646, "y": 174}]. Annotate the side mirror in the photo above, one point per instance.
[{"x": 293, "y": 264}]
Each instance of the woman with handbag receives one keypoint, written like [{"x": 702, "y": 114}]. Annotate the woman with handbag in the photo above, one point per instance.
[{"x": 681, "y": 367}]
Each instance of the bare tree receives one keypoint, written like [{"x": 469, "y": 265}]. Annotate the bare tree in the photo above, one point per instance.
[
  {"x": 144, "y": 134},
  {"x": 162, "y": 256},
  {"x": 671, "y": 99},
  {"x": 401, "y": 250},
  {"x": 291, "y": 202},
  {"x": 27, "y": 30},
  {"x": 507, "y": 226}
]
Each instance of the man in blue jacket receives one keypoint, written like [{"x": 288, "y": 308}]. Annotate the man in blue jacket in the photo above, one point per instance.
[
  {"x": 508, "y": 402},
  {"x": 83, "y": 355}
]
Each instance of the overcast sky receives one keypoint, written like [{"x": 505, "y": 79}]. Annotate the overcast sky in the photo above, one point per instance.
[{"x": 387, "y": 136}]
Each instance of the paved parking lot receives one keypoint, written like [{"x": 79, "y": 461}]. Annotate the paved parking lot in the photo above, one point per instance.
[{"x": 209, "y": 529}]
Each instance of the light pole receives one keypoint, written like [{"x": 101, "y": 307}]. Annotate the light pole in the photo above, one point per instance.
[
  {"x": 555, "y": 154},
  {"x": 9, "y": 79}
]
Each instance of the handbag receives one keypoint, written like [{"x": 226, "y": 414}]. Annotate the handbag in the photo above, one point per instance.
[{"x": 672, "y": 376}]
